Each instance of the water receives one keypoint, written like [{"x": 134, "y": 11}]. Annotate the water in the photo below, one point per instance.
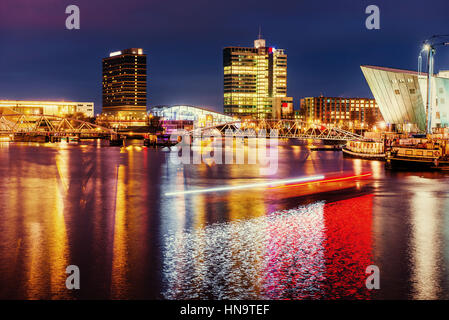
[{"x": 104, "y": 209}]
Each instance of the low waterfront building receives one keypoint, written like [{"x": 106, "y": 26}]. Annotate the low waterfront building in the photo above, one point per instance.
[
  {"x": 201, "y": 117},
  {"x": 51, "y": 108},
  {"x": 345, "y": 112},
  {"x": 119, "y": 123},
  {"x": 402, "y": 96},
  {"x": 172, "y": 126}
]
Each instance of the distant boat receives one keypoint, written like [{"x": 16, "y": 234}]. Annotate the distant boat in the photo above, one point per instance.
[
  {"x": 73, "y": 139},
  {"x": 336, "y": 147},
  {"x": 370, "y": 150}
]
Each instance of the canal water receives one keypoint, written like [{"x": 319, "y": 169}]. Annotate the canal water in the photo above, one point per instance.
[{"x": 105, "y": 210}]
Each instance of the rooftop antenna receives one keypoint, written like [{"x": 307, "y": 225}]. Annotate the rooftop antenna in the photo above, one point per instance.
[
  {"x": 259, "y": 43},
  {"x": 419, "y": 64}
]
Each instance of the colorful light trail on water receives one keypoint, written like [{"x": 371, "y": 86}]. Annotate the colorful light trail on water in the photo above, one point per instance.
[
  {"x": 325, "y": 180},
  {"x": 247, "y": 186},
  {"x": 276, "y": 184}
]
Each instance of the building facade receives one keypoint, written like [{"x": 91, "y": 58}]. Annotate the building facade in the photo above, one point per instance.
[
  {"x": 346, "y": 112},
  {"x": 51, "y": 108},
  {"x": 253, "y": 77},
  {"x": 402, "y": 97},
  {"x": 125, "y": 84}
]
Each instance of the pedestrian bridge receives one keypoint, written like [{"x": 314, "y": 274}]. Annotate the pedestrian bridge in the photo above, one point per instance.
[
  {"x": 286, "y": 129},
  {"x": 50, "y": 125}
]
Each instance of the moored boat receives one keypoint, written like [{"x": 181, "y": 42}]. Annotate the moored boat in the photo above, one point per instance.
[
  {"x": 371, "y": 150},
  {"x": 73, "y": 139},
  {"x": 335, "y": 147},
  {"x": 419, "y": 154}
]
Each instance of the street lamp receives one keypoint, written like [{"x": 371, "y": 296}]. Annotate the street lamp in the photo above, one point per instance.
[{"x": 429, "y": 46}]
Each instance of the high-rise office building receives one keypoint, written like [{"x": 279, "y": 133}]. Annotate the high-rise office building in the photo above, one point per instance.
[
  {"x": 253, "y": 79},
  {"x": 125, "y": 84}
]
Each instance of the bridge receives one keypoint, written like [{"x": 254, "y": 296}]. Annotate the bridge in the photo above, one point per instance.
[
  {"x": 286, "y": 129},
  {"x": 32, "y": 125},
  {"x": 19, "y": 124}
]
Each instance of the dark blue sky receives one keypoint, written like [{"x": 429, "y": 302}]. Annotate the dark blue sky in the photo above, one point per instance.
[{"x": 326, "y": 42}]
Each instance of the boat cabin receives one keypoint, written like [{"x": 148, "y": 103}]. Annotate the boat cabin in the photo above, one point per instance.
[{"x": 366, "y": 147}]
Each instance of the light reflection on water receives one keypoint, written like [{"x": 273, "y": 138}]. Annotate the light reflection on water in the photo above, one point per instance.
[
  {"x": 425, "y": 243},
  {"x": 290, "y": 254},
  {"x": 239, "y": 259},
  {"x": 104, "y": 210}
]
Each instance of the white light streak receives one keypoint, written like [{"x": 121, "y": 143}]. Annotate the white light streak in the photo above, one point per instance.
[{"x": 247, "y": 186}]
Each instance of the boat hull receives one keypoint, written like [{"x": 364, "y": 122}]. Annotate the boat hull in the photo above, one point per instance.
[
  {"x": 410, "y": 164},
  {"x": 326, "y": 148},
  {"x": 359, "y": 155}
]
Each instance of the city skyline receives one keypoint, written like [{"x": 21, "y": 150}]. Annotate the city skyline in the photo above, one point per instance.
[
  {"x": 184, "y": 50},
  {"x": 212, "y": 158}
]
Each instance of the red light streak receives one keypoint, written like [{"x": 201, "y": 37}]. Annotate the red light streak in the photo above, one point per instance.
[{"x": 324, "y": 181}]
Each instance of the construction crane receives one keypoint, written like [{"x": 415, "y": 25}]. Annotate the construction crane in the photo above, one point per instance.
[{"x": 430, "y": 46}]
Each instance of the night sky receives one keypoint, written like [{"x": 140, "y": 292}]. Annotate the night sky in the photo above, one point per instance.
[{"x": 326, "y": 42}]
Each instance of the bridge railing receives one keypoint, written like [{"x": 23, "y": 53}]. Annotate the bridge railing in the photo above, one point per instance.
[
  {"x": 48, "y": 124},
  {"x": 288, "y": 129}
]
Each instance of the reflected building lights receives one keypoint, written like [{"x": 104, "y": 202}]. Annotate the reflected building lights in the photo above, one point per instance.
[
  {"x": 119, "y": 263},
  {"x": 45, "y": 245},
  {"x": 425, "y": 245},
  {"x": 34, "y": 276},
  {"x": 357, "y": 164},
  {"x": 107, "y": 209},
  {"x": 289, "y": 254},
  {"x": 376, "y": 169},
  {"x": 59, "y": 246}
]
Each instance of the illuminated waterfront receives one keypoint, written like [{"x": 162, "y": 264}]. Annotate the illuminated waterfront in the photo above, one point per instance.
[{"x": 104, "y": 209}]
